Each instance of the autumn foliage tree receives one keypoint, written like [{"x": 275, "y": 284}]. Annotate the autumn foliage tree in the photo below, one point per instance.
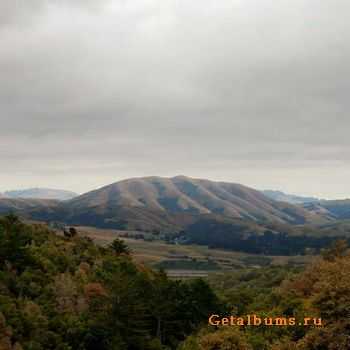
[{"x": 63, "y": 294}]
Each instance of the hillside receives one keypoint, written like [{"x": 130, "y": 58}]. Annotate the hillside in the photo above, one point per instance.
[
  {"x": 337, "y": 209},
  {"x": 24, "y": 205},
  {"x": 167, "y": 204},
  {"x": 65, "y": 293},
  {"x": 288, "y": 198},
  {"x": 68, "y": 293},
  {"x": 217, "y": 214},
  {"x": 157, "y": 202},
  {"x": 40, "y": 193}
]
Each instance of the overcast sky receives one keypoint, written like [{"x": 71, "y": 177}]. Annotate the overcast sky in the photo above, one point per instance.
[{"x": 248, "y": 91}]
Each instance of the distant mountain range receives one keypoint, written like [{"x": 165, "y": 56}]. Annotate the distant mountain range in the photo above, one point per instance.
[
  {"x": 170, "y": 203},
  {"x": 332, "y": 209},
  {"x": 289, "y": 198},
  {"x": 218, "y": 214},
  {"x": 335, "y": 209},
  {"x": 40, "y": 193}
]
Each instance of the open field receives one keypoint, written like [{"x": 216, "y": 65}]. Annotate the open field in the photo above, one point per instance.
[{"x": 190, "y": 259}]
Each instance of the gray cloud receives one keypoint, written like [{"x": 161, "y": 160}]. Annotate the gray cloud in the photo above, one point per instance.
[
  {"x": 22, "y": 12},
  {"x": 247, "y": 91}
]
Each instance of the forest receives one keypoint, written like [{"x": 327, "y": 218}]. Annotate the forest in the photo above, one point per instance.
[
  {"x": 63, "y": 292},
  {"x": 279, "y": 240}
]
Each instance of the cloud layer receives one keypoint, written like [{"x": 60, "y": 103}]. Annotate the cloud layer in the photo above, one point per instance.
[{"x": 251, "y": 91}]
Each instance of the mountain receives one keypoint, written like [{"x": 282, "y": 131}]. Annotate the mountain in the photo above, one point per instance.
[
  {"x": 217, "y": 214},
  {"x": 41, "y": 193},
  {"x": 170, "y": 204},
  {"x": 288, "y": 198},
  {"x": 336, "y": 209},
  {"x": 24, "y": 205}
]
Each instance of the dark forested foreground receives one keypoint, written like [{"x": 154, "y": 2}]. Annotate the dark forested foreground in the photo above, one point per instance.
[{"x": 67, "y": 293}]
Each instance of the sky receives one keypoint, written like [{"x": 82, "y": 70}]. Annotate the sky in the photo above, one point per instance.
[{"x": 247, "y": 91}]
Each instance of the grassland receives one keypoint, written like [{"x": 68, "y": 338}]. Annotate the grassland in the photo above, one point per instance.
[{"x": 188, "y": 260}]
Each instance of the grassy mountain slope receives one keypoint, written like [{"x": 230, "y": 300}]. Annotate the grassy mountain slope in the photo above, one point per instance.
[
  {"x": 23, "y": 205},
  {"x": 338, "y": 209},
  {"x": 156, "y": 201},
  {"x": 167, "y": 204},
  {"x": 217, "y": 214}
]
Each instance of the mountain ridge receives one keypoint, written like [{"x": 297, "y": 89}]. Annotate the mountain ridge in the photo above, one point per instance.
[
  {"x": 39, "y": 193},
  {"x": 164, "y": 200},
  {"x": 166, "y": 203},
  {"x": 289, "y": 198}
]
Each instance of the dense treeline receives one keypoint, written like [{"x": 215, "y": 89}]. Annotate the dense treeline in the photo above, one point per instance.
[
  {"x": 66, "y": 293},
  {"x": 238, "y": 237},
  {"x": 321, "y": 291}
]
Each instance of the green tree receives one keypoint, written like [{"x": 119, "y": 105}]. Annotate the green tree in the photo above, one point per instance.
[
  {"x": 119, "y": 247},
  {"x": 14, "y": 241}
]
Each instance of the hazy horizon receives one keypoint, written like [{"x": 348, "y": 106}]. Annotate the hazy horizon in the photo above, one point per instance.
[{"x": 252, "y": 92}]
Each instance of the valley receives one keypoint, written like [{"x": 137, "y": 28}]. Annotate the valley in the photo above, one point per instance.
[
  {"x": 195, "y": 212},
  {"x": 188, "y": 260}
]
